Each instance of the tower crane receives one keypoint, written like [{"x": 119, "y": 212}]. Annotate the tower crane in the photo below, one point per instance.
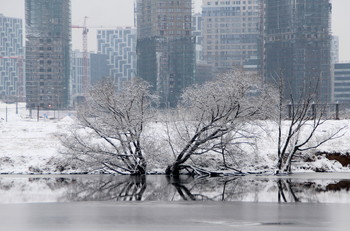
[{"x": 85, "y": 80}]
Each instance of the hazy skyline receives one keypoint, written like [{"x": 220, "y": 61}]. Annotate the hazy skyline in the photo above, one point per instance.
[{"x": 120, "y": 13}]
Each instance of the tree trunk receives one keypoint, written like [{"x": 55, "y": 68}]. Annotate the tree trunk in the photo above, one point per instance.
[
  {"x": 173, "y": 169},
  {"x": 288, "y": 163},
  {"x": 279, "y": 164},
  {"x": 140, "y": 168}
]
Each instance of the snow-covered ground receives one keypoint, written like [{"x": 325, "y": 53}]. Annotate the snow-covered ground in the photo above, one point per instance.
[
  {"x": 266, "y": 146},
  {"x": 29, "y": 145}
]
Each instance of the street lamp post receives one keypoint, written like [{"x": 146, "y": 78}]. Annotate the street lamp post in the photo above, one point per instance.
[{"x": 58, "y": 106}]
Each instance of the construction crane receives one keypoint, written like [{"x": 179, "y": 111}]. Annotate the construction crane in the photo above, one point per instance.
[{"x": 85, "y": 79}]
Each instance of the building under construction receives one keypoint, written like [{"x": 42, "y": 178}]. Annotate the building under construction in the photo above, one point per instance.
[
  {"x": 297, "y": 44},
  {"x": 165, "y": 47},
  {"x": 48, "y": 38}
]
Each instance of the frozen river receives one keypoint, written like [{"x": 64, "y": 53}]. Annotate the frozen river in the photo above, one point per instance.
[{"x": 300, "y": 202}]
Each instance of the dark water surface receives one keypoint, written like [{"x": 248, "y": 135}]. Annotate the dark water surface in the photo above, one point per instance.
[{"x": 297, "y": 202}]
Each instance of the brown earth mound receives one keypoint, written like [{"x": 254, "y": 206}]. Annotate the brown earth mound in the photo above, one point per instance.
[{"x": 343, "y": 159}]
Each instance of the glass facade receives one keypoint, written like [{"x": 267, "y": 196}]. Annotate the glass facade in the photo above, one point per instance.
[
  {"x": 11, "y": 59},
  {"x": 119, "y": 45}
]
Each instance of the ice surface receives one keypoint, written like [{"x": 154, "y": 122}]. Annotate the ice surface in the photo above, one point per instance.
[{"x": 174, "y": 216}]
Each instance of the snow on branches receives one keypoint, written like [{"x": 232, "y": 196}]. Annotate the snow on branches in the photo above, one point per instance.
[
  {"x": 111, "y": 123},
  {"x": 210, "y": 113}
]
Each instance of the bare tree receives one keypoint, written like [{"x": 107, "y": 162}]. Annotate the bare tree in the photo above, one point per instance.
[
  {"x": 111, "y": 123},
  {"x": 210, "y": 113},
  {"x": 305, "y": 117}
]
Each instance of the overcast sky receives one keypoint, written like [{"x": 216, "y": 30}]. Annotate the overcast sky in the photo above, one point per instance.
[{"x": 114, "y": 13}]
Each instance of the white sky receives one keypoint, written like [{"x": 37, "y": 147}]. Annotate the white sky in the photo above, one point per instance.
[{"x": 114, "y": 13}]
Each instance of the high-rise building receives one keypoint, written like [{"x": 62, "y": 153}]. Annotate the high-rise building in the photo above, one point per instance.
[
  {"x": 342, "y": 82},
  {"x": 334, "y": 60},
  {"x": 98, "y": 67},
  {"x": 203, "y": 71},
  {"x": 335, "y": 49},
  {"x": 120, "y": 47},
  {"x": 77, "y": 75},
  {"x": 11, "y": 58},
  {"x": 197, "y": 34},
  {"x": 231, "y": 33},
  {"x": 297, "y": 46},
  {"x": 48, "y": 41},
  {"x": 165, "y": 47}
]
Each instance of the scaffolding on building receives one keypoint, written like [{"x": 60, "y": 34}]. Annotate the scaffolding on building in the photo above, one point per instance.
[
  {"x": 48, "y": 37},
  {"x": 297, "y": 45},
  {"x": 165, "y": 47}
]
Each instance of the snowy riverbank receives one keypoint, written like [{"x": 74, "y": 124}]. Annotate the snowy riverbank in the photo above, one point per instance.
[{"x": 31, "y": 146}]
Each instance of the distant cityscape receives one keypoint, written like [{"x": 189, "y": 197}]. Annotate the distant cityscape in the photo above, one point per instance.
[{"x": 172, "y": 48}]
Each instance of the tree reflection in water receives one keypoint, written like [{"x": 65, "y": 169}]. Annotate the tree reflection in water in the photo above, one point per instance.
[
  {"x": 286, "y": 185},
  {"x": 188, "y": 188},
  {"x": 162, "y": 188},
  {"x": 137, "y": 188},
  {"x": 129, "y": 188},
  {"x": 210, "y": 189}
]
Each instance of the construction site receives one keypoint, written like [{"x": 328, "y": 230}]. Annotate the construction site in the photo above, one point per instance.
[
  {"x": 297, "y": 40},
  {"x": 287, "y": 39},
  {"x": 48, "y": 39}
]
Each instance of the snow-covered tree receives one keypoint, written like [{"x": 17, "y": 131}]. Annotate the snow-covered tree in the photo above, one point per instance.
[
  {"x": 306, "y": 115},
  {"x": 209, "y": 114},
  {"x": 111, "y": 123}
]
